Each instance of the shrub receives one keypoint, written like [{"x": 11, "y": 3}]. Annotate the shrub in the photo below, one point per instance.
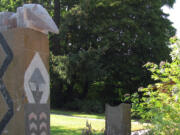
[
  {"x": 89, "y": 106},
  {"x": 161, "y": 101}
]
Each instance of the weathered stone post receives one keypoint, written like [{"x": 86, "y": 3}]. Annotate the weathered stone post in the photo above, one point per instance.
[
  {"x": 24, "y": 82},
  {"x": 118, "y": 120}
]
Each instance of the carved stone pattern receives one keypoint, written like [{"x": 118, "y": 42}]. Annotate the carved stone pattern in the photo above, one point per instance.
[{"x": 3, "y": 67}]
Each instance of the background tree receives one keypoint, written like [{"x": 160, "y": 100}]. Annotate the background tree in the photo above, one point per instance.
[
  {"x": 106, "y": 44},
  {"x": 10, "y": 5}
]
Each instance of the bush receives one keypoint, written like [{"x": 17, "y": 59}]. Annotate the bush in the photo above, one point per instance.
[
  {"x": 89, "y": 106},
  {"x": 161, "y": 103}
]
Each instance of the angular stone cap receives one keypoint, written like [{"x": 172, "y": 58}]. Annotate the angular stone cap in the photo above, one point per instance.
[{"x": 32, "y": 16}]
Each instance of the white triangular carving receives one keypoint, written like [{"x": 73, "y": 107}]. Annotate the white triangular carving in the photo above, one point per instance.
[{"x": 35, "y": 64}]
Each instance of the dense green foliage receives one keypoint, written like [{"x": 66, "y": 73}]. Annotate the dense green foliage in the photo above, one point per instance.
[
  {"x": 103, "y": 47},
  {"x": 161, "y": 102},
  {"x": 10, "y": 5}
]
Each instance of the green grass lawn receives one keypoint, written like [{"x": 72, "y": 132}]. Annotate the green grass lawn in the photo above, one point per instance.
[
  {"x": 64, "y": 125},
  {"x": 72, "y": 123}
]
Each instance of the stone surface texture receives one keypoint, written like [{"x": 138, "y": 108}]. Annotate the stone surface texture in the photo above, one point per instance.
[
  {"x": 32, "y": 16},
  {"x": 118, "y": 120}
]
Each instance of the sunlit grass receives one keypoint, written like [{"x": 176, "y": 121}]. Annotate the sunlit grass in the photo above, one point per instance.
[
  {"x": 75, "y": 123},
  {"x": 78, "y": 114},
  {"x": 62, "y": 124}
]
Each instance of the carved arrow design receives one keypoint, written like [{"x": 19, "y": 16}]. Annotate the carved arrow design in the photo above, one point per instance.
[
  {"x": 32, "y": 116},
  {"x": 43, "y": 133},
  {"x": 43, "y": 125},
  {"x": 33, "y": 126},
  {"x": 33, "y": 134},
  {"x": 9, "y": 56},
  {"x": 43, "y": 116}
]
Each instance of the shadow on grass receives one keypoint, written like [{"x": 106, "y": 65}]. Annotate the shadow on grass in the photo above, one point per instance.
[
  {"x": 78, "y": 114},
  {"x": 58, "y": 130}
]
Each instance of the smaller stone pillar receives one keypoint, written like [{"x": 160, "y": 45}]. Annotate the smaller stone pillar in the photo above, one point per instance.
[{"x": 118, "y": 119}]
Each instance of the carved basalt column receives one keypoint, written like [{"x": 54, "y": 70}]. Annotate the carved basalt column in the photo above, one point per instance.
[
  {"x": 24, "y": 83},
  {"x": 118, "y": 120}
]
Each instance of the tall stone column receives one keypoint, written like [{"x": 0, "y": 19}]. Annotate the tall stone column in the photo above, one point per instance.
[{"x": 24, "y": 83}]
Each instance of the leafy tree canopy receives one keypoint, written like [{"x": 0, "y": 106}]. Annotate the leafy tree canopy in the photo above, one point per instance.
[{"x": 109, "y": 41}]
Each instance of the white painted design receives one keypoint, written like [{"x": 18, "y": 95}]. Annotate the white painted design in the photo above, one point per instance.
[
  {"x": 18, "y": 108},
  {"x": 43, "y": 125},
  {"x": 33, "y": 126},
  {"x": 43, "y": 116},
  {"x": 30, "y": 86},
  {"x": 5, "y": 132},
  {"x": 43, "y": 133},
  {"x": 32, "y": 116}
]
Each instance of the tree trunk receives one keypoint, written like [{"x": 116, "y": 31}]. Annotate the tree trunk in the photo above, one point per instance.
[
  {"x": 55, "y": 38},
  {"x": 35, "y": 1},
  {"x": 57, "y": 12},
  {"x": 85, "y": 90},
  {"x": 70, "y": 95}
]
